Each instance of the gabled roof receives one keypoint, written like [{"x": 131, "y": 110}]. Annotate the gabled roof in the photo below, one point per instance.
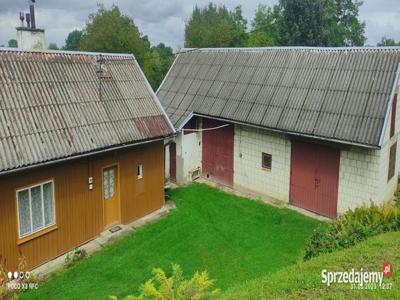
[
  {"x": 339, "y": 94},
  {"x": 59, "y": 104}
]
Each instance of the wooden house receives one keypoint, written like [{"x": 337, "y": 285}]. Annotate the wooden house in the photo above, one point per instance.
[{"x": 81, "y": 150}]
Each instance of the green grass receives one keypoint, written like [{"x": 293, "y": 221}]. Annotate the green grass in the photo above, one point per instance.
[
  {"x": 234, "y": 239},
  {"x": 303, "y": 280}
]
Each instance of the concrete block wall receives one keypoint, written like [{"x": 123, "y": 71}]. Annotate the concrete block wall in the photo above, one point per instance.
[
  {"x": 358, "y": 177},
  {"x": 249, "y": 143}
]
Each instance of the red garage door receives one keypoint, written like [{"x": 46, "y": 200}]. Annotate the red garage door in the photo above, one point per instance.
[
  {"x": 218, "y": 152},
  {"x": 314, "y": 178}
]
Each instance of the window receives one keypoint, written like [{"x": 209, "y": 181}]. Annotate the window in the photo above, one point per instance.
[
  {"x": 392, "y": 161},
  {"x": 266, "y": 161},
  {"x": 139, "y": 171},
  {"x": 393, "y": 117},
  {"x": 36, "y": 209},
  {"x": 108, "y": 183}
]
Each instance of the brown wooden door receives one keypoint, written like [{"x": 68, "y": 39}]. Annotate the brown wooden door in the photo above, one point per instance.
[
  {"x": 217, "y": 150},
  {"x": 314, "y": 178},
  {"x": 111, "y": 196},
  {"x": 172, "y": 162}
]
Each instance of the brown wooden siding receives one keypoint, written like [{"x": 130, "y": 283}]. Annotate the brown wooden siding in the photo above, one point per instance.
[{"x": 79, "y": 212}]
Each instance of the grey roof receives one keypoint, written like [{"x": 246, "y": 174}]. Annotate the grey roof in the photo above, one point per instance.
[
  {"x": 53, "y": 106},
  {"x": 341, "y": 94}
]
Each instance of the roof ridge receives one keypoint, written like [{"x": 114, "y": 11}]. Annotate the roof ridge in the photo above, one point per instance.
[
  {"x": 66, "y": 52},
  {"x": 300, "y": 48}
]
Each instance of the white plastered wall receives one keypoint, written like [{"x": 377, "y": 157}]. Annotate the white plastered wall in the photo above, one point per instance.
[{"x": 188, "y": 155}]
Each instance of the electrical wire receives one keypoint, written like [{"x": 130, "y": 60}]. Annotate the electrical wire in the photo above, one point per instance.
[{"x": 205, "y": 129}]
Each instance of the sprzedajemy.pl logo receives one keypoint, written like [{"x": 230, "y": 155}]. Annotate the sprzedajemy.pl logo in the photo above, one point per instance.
[{"x": 359, "y": 279}]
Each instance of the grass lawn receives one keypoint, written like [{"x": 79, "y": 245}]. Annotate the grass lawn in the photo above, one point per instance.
[
  {"x": 303, "y": 280},
  {"x": 234, "y": 239}
]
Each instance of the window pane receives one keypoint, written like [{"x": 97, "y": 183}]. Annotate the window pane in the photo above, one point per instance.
[
  {"x": 24, "y": 215},
  {"x": 266, "y": 160},
  {"x": 112, "y": 182},
  {"x": 48, "y": 204},
  {"x": 37, "y": 208},
  {"x": 392, "y": 161},
  {"x": 140, "y": 171},
  {"x": 106, "y": 194}
]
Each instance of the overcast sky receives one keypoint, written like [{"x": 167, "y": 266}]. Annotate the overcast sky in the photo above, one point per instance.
[{"x": 164, "y": 20}]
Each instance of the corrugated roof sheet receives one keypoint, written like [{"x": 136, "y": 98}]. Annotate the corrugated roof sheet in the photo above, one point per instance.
[
  {"x": 56, "y": 104},
  {"x": 332, "y": 93}
]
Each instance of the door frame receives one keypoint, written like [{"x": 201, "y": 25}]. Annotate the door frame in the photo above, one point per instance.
[
  {"x": 118, "y": 192},
  {"x": 170, "y": 162}
]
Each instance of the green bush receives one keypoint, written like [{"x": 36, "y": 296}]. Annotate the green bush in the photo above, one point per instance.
[
  {"x": 74, "y": 256},
  {"x": 160, "y": 287},
  {"x": 354, "y": 226}
]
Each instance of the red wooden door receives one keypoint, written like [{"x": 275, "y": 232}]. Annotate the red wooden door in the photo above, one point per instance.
[
  {"x": 172, "y": 162},
  {"x": 217, "y": 150},
  {"x": 314, "y": 178}
]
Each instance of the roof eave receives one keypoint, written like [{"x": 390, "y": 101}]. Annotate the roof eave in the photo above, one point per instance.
[
  {"x": 389, "y": 106},
  {"x": 343, "y": 142},
  {"x": 82, "y": 155}
]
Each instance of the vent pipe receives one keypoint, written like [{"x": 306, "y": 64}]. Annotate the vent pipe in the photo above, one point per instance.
[
  {"x": 28, "y": 20},
  {"x": 32, "y": 11},
  {"x": 22, "y": 18}
]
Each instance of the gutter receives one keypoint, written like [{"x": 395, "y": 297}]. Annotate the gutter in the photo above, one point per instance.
[
  {"x": 78, "y": 156},
  {"x": 285, "y": 132},
  {"x": 389, "y": 107}
]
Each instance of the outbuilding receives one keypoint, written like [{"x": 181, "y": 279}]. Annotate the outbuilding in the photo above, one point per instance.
[
  {"x": 81, "y": 150},
  {"x": 313, "y": 127}
]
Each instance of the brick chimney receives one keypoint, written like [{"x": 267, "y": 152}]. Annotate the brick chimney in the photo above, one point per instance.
[{"x": 29, "y": 37}]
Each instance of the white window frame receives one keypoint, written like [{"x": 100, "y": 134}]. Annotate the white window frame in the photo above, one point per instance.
[
  {"x": 140, "y": 171},
  {"x": 30, "y": 208}
]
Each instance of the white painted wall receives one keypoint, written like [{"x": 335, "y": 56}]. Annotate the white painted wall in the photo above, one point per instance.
[
  {"x": 30, "y": 39},
  {"x": 249, "y": 143},
  {"x": 188, "y": 155}
]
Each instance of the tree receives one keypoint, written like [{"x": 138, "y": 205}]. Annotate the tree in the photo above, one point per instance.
[
  {"x": 163, "y": 58},
  {"x": 385, "y": 41},
  {"x": 265, "y": 30},
  {"x": 53, "y": 46},
  {"x": 110, "y": 31},
  {"x": 308, "y": 23},
  {"x": 216, "y": 26},
  {"x": 73, "y": 40},
  {"x": 302, "y": 22},
  {"x": 13, "y": 43},
  {"x": 342, "y": 26}
]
